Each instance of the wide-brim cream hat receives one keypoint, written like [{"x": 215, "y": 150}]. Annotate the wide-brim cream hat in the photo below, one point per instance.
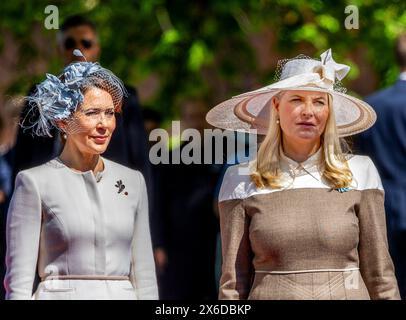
[{"x": 250, "y": 111}]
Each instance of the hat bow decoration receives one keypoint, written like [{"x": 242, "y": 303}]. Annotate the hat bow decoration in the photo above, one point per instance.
[{"x": 329, "y": 70}]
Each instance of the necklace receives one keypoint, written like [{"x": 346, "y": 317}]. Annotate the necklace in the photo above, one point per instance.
[{"x": 309, "y": 173}]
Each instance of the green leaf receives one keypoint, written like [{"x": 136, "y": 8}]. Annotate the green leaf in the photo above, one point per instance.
[
  {"x": 198, "y": 55},
  {"x": 171, "y": 36},
  {"x": 328, "y": 22}
]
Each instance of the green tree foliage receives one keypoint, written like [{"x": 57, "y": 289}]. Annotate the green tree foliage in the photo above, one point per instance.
[{"x": 208, "y": 49}]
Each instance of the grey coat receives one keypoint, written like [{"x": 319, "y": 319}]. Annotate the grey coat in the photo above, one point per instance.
[{"x": 74, "y": 229}]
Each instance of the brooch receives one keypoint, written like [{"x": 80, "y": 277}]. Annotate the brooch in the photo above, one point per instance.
[
  {"x": 341, "y": 190},
  {"x": 121, "y": 187}
]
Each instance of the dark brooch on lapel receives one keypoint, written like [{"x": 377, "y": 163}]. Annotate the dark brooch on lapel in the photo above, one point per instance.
[
  {"x": 121, "y": 187},
  {"x": 341, "y": 190}
]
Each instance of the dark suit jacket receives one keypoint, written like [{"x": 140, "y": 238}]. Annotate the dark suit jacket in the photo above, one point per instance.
[
  {"x": 186, "y": 226},
  {"x": 385, "y": 143}
]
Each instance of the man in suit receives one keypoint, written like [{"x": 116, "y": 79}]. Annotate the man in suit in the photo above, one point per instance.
[{"x": 385, "y": 143}]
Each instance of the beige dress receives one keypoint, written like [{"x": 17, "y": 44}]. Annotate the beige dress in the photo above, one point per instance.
[{"x": 305, "y": 241}]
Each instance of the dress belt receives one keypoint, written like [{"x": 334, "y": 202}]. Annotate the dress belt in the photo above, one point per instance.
[
  {"x": 306, "y": 271},
  {"x": 84, "y": 277}
]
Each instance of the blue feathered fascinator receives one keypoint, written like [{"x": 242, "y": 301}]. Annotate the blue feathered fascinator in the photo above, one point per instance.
[{"x": 57, "y": 98}]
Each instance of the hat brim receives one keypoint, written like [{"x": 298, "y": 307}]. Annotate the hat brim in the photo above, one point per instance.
[{"x": 250, "y": 112}]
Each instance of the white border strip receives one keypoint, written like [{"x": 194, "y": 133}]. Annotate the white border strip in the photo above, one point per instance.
[{"x": 305, "y": 271}]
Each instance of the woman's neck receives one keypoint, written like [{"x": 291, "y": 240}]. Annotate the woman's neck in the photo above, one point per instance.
[
  {"x": 79, "y": 161},
  {"x": 300, "y": 151}
]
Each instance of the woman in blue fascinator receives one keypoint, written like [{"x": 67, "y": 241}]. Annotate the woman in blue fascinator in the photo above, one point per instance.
[{"x": 80, "y": 221}]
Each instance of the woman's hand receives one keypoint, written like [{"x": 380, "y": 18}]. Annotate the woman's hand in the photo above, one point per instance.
[{"x": 161, "y": 259}]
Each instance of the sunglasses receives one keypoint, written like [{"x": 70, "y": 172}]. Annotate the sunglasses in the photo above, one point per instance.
[{"x": 70, "y": 43}]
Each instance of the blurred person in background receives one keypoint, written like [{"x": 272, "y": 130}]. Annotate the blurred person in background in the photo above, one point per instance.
[
  {"x": 9, "y": 117},
  {"x": 152, "y": 121},
  {"x": 188, "y": 238},
  {"x": 4, "y": 179},
  {"x": 385, "y": 143}
]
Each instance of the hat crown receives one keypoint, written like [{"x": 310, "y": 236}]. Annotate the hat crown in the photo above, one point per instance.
[
  {"x": 323, "y": 72},
  {"x": 295, "y": 67}
]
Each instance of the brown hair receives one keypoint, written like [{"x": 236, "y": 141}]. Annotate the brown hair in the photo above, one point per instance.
[{"x": 103, "y": 84}]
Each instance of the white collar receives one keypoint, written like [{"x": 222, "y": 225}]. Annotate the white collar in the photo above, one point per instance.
[
  {"x": 402, "y": 76},
  {"x": 308, "y": 164},
  {"x": 292, "y": 168}
]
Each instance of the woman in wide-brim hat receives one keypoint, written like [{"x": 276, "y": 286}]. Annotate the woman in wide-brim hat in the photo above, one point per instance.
[{"x": 308, "y": 220}]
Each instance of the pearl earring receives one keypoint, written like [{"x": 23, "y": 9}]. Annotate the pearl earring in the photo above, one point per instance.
[
  {"x": 65, "y": 136},
  {"x": 277, "y": 121}
]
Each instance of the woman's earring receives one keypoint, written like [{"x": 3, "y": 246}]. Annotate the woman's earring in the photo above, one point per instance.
[
  {"x": 65, "y": 136},
  {"x": 277, "y": 121}
]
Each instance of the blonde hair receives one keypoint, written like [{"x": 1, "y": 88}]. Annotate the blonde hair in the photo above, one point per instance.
[{"x": 266, "y": 168}]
